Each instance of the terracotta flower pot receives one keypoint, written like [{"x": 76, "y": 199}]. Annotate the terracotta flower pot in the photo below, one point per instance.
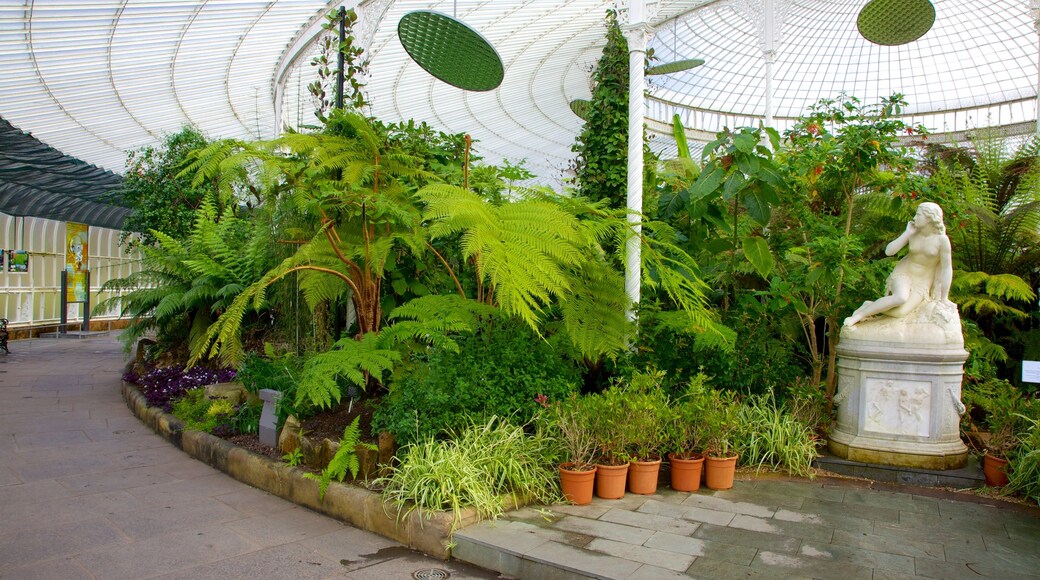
[
  {"x": 686, "y": 473},
  {"x": 642, "y": 476},
  {"x": 719, "y": 471},
  {"x": 610, "y": 481},
  {"x": 995, "y": 470},
  {"x": 577, "y": 485}
]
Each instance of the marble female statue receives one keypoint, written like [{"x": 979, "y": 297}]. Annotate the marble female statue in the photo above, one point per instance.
[{"x": 923, "y": 275}]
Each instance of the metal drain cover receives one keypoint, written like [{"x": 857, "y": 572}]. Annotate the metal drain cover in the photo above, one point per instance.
[{"x": 431, "y": 574}]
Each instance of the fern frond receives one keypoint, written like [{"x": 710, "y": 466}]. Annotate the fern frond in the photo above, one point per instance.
[
  {"x": 344, "y": 460},
  {"x": 350, "y": 360}
]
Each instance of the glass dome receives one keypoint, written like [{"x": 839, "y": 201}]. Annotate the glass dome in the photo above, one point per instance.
[{"x": 95, "y": 79}]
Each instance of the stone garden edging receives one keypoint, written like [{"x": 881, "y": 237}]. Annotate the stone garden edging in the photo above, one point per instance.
[{"x": 350, "y": 504}]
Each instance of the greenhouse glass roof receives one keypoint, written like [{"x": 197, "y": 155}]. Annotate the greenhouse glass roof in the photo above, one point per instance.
[{"x": 95, "y": 79}]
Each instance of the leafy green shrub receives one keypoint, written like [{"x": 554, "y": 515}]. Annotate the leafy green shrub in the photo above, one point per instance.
[
  {"x": 476, "y": 467},
  {"x": 767, "y": 434},
  {"x": 498, "y": 371},
  {"x": 246, "y": 418},
  {"x": 276, "y": 372},
  {"x": 683, "y": 426},
  {"x": 765, "y": 356},
  {"x": 1024, "y": 463},
  {"x": 200, "y": 413}
]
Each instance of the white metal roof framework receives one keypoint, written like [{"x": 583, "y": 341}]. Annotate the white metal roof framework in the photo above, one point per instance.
[{"x": 95, "y": 79}]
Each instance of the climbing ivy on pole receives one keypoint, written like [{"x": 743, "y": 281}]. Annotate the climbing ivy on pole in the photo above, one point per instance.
[{"x": 601, "y": 167}]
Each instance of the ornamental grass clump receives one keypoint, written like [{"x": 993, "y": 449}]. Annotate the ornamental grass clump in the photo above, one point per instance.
[
  {"x": 767, "y": 434},
  {"x": 477, "y": 467}
]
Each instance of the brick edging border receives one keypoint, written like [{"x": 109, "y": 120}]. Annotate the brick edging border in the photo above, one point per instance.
[{"x": 350, "y": 504}]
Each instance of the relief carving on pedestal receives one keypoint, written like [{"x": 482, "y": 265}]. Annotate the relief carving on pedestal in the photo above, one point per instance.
[{"x": 898, "y": 407}]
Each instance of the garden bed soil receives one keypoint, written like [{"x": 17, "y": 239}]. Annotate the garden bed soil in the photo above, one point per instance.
[{"x": 327, "y": 424}]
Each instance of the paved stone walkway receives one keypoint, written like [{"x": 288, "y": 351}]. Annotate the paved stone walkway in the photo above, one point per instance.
[
  {"x": 763, "y": 528},
  {"x": 88, "y": 491}
]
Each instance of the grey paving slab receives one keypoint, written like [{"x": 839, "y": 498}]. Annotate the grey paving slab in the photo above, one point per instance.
[
  {"x": 643, "y": 554},
  {"x": 9, "y": 476},
  {"x": 36, "y": 491},
  {"x": 721, "y": 504},
  {"x": 1022, "y": 527},
  {"x": 951, "y": 536},
  {"x": 900, "y": 546},
  {"x": 285, "y": 561},
  {"x": 22, "y": 547},
  {"x": 283, "y": 527},
  {"x": 859, "y": 557},
  {"x": 165, "y": 553},
  {"x": 932, "y": 568},
  {"x": 251, "y": 502},
  {"x": 63, "y": 568},
  {"x": 135, "y": 478},
  {"x": 406, "y": 565},
  {"x": 765, "y": 497},
  {"x": 586, "y": 562},
  {"x": 836, "y": 522},
  {"x": 753, "y": 539},
  {"x": 802, "y": 489},
  {"x": 662, "y": 523},
  {"x": 870, "y": 499},
  {"x": 709, "y": 516},
  {"x": 956, "y": 525},
  {"x": 889, "y": 575},
  {"x": 601, "y": 529},
  {"x": 1026, "y": 551},
  {"x": 155, "y": 521},
  {"x": 784, "y": 565},
  {"x": 710, "y": 568},
  {"x": 29, "y": 442},
  {"x": 79, "y": 465},
  {"x": 805, "y": 531},
  {"x": 651, "y": 572},
  {"x": 734, "y": 554},
  {"x": 826, "y": 508}
]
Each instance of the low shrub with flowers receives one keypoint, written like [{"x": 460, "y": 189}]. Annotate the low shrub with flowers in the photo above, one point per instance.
[{"x": 163, "y": 386}]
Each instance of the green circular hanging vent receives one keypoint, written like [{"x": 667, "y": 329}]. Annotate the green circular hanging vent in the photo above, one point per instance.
[
  {"x": 895, "y": 22},
  {"x": 674, "y": 67},
  {"x": 580, "y": 107},
  {"x": 451, "y": 51}
]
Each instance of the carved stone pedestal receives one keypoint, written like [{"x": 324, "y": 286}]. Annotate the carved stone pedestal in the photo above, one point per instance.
[{"x": 899, "y": 403}]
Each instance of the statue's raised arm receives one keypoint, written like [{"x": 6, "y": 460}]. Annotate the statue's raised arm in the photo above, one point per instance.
[{"x": 923, "y": 275}]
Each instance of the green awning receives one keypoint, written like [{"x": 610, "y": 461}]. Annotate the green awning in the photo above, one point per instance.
[{"x": 39, "y": 181}]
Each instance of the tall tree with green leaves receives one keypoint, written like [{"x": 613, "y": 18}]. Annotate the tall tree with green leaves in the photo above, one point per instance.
[
  {"x": 601, "y": 165},
  {"x": 162, "y": 199}
]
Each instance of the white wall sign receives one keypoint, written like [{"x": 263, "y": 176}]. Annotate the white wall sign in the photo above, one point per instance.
[{"x": 1031, "y": 371}]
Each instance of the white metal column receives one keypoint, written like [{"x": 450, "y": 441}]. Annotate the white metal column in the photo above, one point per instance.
[{"x": 637, "y": 31}]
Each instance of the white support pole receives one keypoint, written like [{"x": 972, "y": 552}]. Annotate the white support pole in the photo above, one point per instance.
[
  {"x": 636, "y": 32},
  {"x": 769, "y": 54},
  {"x": 1034, "y": 11}
]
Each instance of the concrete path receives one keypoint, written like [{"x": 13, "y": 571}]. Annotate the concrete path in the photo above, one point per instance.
[
  {"x": 88, "y": 491},
  {"x": 763, "y": 528}
]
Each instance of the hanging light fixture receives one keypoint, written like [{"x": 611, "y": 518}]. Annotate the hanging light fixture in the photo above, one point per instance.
[
  {"x": 895, "y": 22},
  {"x": 450, "y": 50}
]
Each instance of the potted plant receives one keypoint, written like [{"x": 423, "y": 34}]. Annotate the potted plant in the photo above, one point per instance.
[
  {"x": 608, "y": 412},
  {"x": 684, "y": 430},
  {"x": 571, "y": 423},
  {"x": 1000, "y": 402},
  {"x": 645, "y": 434},
  {"x": 718, "y": 421}
]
